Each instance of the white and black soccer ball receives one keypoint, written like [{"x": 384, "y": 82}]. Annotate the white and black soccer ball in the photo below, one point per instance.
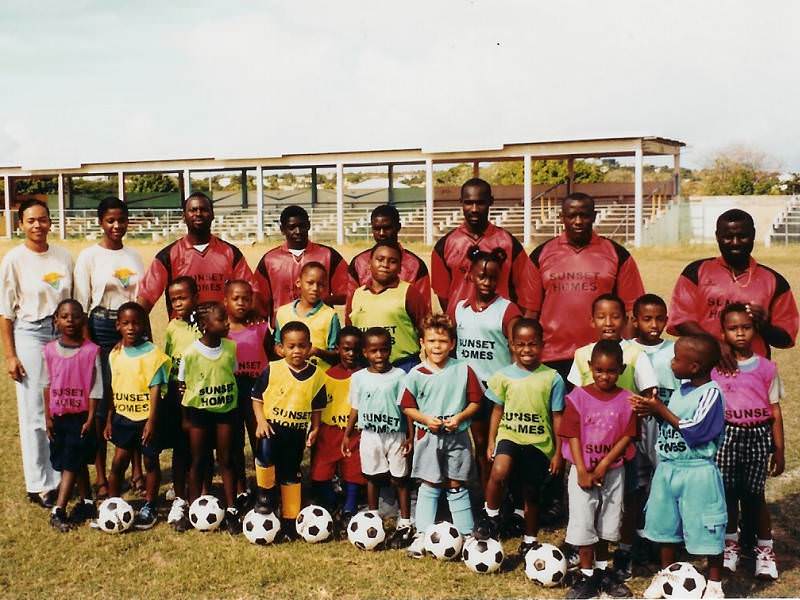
[
  {"x": 546, "y": 565},
  {"x": 314, "y": 524},
  {"x": 483, "y": 556},
  {"x": 260, "y": 529},
  {"x": 443, "y": 541},
  {"x": 681, "y": 580},
  {"x": 206, "y": 513},
  {"x": 365, "y": 530},
  {"x": 114, "y": 515}
]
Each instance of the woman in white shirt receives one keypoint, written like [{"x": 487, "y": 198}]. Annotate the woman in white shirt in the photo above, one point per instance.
[
  {"x": 107, "y": 275},
  {"x": 34, "y": 277}
]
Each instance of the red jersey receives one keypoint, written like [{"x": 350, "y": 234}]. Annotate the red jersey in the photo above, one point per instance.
[
  {"x": 279, "y": 269},
  {"x": 450, "y": 266},
  {"x": 706, "y": 286},
  {"x": 412, "y": 269},
  {"x": 568, "y": 279},
  {"x": 211, "y": 268}
]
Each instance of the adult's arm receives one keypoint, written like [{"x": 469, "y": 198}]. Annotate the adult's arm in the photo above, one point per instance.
[
  {"x": 535, "y": 309},
  {"x": 527, "y": 290},
  {"x": 154, "y": 282},
  {"x": 241, "y": 270},
  {"x": 441, "y": 277},
  {"x": 780, "y": 327},
  {"x": 338, "y": 278},
  {"x": 263, "y": 289},
  {"x": 82, "y": 281}
]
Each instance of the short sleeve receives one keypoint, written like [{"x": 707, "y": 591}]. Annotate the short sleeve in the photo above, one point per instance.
[
  {"x": 8, "y": 289},
  {"x": 82, "y": 282},
  {"x": 260, "y": 385},
  {"x": 574, "y": 375},
  {"x": 685, "y": 303},
  {"x": 161, "y": 376},
  {"x": 570, "y": 421},
  {"x": 644, "y": 375},
  {"x": 632, "y": 429},
  {"x": 44, "y": 380},
  {"x": 352, "y": 394},
  {"x": 776, "y": 391},
  {"x": 475, "y": 389},
  {"x": 182, "y": 370},
  {"x": 333, "y": 332},
  {"x": 320, "y": 399},
  {"x": 557, "y": 390},
  {"x": 97, "y": 379}
]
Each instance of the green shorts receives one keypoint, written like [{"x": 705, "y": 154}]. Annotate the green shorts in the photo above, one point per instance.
[{"x": 687, "y": 504}]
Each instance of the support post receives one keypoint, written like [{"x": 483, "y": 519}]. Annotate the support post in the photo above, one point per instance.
[
  {"x": 244, "y": 188},
  {"x": 259, "y": 203},
  {"x": 676, "y": 173},
  {"x": 339, "y": 203},
  {"x": 62, "y": 233},
  {"x": 527, "y": 199},
  {"x": 476, "y": 168},
  {"x": 570, "y": 174},
  {"x": 7, "y": 193},
  {"x": 187, "y": 183},
  {"x": 638, "y": 196},
  {"x": 70, "y": 193},
  {"x": 390, "y": 177},
  {"x": 429, "y": 202},
  {"x": 314, "y": 190},
  {"x": 121, "y": 185}
]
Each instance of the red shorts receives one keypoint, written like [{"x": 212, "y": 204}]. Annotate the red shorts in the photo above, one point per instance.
[{"x": 327, "y": 455}]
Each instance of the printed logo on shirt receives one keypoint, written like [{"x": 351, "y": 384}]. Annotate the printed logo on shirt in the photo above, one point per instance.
[
  {"x": 53, "y": 279},
  {"x": 578, "y": 281},
  {"x": 124, "y": 275}
]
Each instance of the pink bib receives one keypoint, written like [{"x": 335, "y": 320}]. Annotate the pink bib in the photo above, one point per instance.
[
  {"x": 747, "y": 395},
  {"x": 70, "y": 377},
  {"x": 250, "y": 349}
]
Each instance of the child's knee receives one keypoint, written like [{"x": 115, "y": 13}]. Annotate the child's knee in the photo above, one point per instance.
[{"x": 151, "y": 463}]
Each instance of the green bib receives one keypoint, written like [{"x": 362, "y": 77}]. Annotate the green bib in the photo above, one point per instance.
[
  {"x": 387, "y": 310},
  {"x": 210, "y": 383}
]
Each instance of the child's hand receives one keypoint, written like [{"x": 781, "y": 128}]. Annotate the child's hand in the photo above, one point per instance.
[
  {"x": 312, "y": 437},
  {"x": 181, "y": 388},
  {"x": 147, "y": 432},
  {"x": 452, "y": 423},
  {"x": 599, "y": 473},
  {"x": 556, "y": 464},
  {"x": 758, "y": 313},
  {"x": 48, "y": 422},
  {"x": 644, "y": 406},
  {"x": 777, "y": 463},
  {"x": 107, "y": 431},
  {"x": 314, "y": 351},
  {"x": 346, "y": 447},
  {"x": 263, "y": 431},
  {"x": 434, "y": 424},
  {"x": 585, "y": 480},
  {"x": 406, "y": 446},
  {"x": 490, "y": 445},
  {"x": 87, "y": 426}
]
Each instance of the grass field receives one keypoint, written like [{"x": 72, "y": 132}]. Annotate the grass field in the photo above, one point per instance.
[{"x": 35, "y": 561}]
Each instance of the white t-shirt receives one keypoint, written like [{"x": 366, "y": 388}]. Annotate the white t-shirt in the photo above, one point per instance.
[
  {"x": 107, "y": 278},
  {"x": 33, "y": 283},
  {"x": 207, "y": 351}
]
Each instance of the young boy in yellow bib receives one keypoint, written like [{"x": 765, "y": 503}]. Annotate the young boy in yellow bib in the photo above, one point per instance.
[{"x": 287, "y": 397}]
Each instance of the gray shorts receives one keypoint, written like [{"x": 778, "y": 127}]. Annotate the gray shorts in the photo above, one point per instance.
[
  {"x": 442, "y": 457},
  {"x": 595, "y": 514},
  {"x": 638, "y": 472}
]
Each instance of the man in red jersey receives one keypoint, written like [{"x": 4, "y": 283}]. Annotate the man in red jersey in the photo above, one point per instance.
[
  {"x": 385, "y": 221},
  {"x": 450, "y": 265},
  {"x": 706, "y": 286},
  {"x": 278, "y": 270},
  {"x": 572, "y": 270},
  {"x": 208, "y": 259}
]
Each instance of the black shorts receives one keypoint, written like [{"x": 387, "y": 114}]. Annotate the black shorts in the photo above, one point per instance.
[
  {"x": 207, "y": 419},
  {"x": 284, "y": 449},
  {"x": 127, "y": 434},
  {"x": 743, "y": 458},
  {"x": 69, "y": 451},
  {"x": 170, "y": 420},
  {"x": 531, "y": 465}
]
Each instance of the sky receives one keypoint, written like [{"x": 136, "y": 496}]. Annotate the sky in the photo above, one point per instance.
[{"x": 97, "y": 81}]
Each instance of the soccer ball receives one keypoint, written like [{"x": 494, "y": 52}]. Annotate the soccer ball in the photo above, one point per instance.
[
  {"x": 206, "y": 513},
  {"x": 681, "y": 580},
  {"x": 314, "y": 524},
  {"x": 546, "y": 565},
  {"x": 114, "y": 515},
  {"x": 260, "y": 529},
  {"x": 443, "y": 541},
  {"x": 365, "y": 530},
  {"x": 483, "y": 556}
]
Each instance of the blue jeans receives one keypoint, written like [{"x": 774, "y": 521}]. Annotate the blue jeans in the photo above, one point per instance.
[{"x": 103, "y": 332}]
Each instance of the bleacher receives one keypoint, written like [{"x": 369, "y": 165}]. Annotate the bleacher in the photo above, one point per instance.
[{"x": 786, "y": 227}]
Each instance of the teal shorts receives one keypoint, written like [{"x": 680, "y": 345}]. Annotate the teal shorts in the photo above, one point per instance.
[{"x": 687, "y": 504}]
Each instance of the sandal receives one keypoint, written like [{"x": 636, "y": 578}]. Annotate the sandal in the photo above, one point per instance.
[{"x": 102, "y": 492}]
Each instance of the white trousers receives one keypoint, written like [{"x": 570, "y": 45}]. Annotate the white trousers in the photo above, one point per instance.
[{"x": 29, "y": 341}]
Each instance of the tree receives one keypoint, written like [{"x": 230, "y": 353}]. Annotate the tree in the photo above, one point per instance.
[
  {"x": 739, "y": 171},
  {"x": 150, "y": 182}
]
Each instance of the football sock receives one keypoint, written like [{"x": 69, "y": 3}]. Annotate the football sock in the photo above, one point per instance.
[
  {"x": 290, "y": 500},
  {"x": 351, "y": 492},
  {"x": 714, "y": 585},
  {"x": 520, "y": 512},
  {"x": 601, "y": 564},
  {"x": 323, "y": 492},
  {"x": 492, "y": 512},
  {"x": 764, "y": 543},
  {"x": 734, "y": 537},
  {"x": 427, "y": 503},
  {"x": 460, "y": 509},
  {"x": 587, "y": 572},
  {"x": 403, "y": 523},
  {"x": 265, "y": 476},
  {"x": 529, "y": 539}
]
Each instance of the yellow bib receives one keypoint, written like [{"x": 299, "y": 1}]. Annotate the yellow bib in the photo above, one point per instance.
[
  {"x": 337, "y": 411},
  {"x": 387, "y": 310},
  {"x": 287, "y": 400},
  {"x": 319, "y": 324},
  {"x": 630, "y": 354},
  {"x": 130, "y": 381}
]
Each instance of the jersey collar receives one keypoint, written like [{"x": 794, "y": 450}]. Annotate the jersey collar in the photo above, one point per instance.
[
  {"x": 488, "y": 232},
  {"x": 187, "y": 246},
  {"x": 562, "y": 239},
  {"x": 317, "y": 307},
  {"x": 471, "y": 302}
]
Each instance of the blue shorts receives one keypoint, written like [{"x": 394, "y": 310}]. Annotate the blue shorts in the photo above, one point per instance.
[
  {"x": 69, "y": 450},
  {"x": 687, "y": 504},
  {"x": 127, "y": 434}
]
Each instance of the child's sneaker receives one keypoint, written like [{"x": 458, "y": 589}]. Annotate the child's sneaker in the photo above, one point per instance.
[
  {"x": 656, "y": 587},
  {"x": 146, "y": 517},
  {"x": 487, "y": 528},
  {"x": 183, "y": 524},
  {"x": 612, "y": 586},
  {"x": 587, "y": 586},
  {"x": 623, "y": 564},
  {"x": 177, "y": 510},
  {"x": 242, "y": 502},
  {"x": 513, "y": 526},
  {"x": 59, "y": 520},
  {"x": 263, "y": 503},
  {"x": 232, "y": 522},
  {"x": 402, "y": 537},
  {"x": 766, "y": 567},
  {"x": 730, "y": 557},
  {"x": 713, "y": 590},
  {"x": 417, "y": 547},
  {"x": 288, "y": 532},
  {"x": 525, "y": 547},
  {"x": 83, "y": 511}
]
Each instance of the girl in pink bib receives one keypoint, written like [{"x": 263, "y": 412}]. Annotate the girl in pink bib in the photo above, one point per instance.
[{"x": 72, "y": 386}]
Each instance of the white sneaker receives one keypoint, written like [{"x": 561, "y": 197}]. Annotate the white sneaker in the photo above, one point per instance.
[
  {"x": 766, "y": 567},
  {"x": 170, "y": 495},
  {"x": 177, "y": 510},
  {"x": 713, "y": 591},
  {"x": 417, "y": 547},
  {"x": 656, "y": 587},
  {"x": 730, "y": 558}
]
